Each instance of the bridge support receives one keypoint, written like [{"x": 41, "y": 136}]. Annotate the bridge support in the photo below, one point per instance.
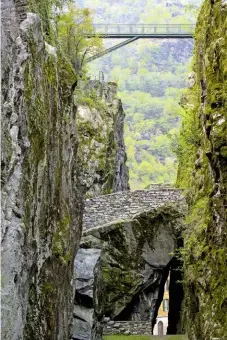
[{"x": 111, "y": 49}]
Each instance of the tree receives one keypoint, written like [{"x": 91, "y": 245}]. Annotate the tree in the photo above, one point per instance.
[
  {"x": 64, "y": 26},
  {"x": 46, "y": 9},
  {"x": 69, "y": 28}
]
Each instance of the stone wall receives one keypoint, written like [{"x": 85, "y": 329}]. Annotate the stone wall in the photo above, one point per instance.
[
  {"x": 124, "y": 205},
  {"x": 127, "y": 327}
]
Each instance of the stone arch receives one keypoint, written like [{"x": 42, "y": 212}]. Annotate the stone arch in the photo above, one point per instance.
[
  {"x": 160, "y": 328},
  {"x": 135, "y": 235}
]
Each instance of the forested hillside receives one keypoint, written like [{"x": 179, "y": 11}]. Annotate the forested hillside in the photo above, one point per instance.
[{"x": 151, "y": 75}]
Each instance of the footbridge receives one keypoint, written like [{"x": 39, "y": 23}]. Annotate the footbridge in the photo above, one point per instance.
[
  {"x": 134, "y": 32},
  {"x": 126, "y": 205},
  {"x": 164, "y": 31}
]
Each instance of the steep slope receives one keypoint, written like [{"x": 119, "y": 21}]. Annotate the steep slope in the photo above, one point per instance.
[
  {"x": 203, "y": 172},
  {"x": 41, "y": 208}
]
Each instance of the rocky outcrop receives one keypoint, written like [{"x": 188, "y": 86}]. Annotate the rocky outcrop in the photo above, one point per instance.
[
  {"x": 41, "y": 208},
  {"x": 129, "y": 263},
  {"x": 102, "y": 163},
  {"x": 100, "y": 124},
  {"x": 203, "y": 172},
  {"x": 86, "y": 265}
]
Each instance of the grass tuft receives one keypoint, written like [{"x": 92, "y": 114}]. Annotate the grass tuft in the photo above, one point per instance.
[{"x": 144, "y": 337}]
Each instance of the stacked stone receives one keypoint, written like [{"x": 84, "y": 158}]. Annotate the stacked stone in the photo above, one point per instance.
[
  {"x": 126, "y": 327},
  {"x": 124, "y": 205}
]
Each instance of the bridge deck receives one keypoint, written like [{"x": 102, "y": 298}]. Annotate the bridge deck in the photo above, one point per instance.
[{"x": 142, "y": 31}]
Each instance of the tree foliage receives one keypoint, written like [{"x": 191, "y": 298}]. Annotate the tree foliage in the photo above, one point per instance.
[
  {"x": 64, "y": 25},
  {"x": 70, "y": 26},
  {"x": 47, "y": 10}
]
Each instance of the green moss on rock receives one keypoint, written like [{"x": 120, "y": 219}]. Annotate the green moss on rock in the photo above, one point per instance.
[
  {"x": 125, "y": 245},
  {"x": 52, "y": 216},
  {"x": 205, "y": 178}
]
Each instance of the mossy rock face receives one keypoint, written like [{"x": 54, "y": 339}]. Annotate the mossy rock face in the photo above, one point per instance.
[
  {"x": 42, "y": 227},
  {"x": 100, "y": 124},
  {"x": 205, "y": 178},
  {"x": 134, "y": 262},
  {"x": 130, "y": 253}
]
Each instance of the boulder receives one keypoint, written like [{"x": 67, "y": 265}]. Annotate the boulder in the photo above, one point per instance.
[
  {"x": 85, "y": 262},
  {"x": 132, "y": 260}
]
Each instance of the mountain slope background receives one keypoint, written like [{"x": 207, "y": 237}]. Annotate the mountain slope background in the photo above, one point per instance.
[{"x": 151, "y": 75}]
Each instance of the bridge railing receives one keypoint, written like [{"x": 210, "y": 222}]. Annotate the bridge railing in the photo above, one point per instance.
[{"x": 143, "y": 29}]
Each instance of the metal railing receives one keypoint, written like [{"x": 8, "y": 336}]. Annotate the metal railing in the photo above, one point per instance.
[{"x": 142, "y": 30}]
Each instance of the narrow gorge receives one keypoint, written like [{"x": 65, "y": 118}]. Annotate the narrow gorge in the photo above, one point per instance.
[{"x": 83, "y": 256}]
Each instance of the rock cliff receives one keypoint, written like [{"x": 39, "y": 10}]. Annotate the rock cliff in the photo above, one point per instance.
[
  {"x": 41, "y": 208},
  {"x": 55, "y": 149},
  {"x": 102, "y": 156},
  {"x": 203, "y": 173},
  {"x": 103, "y": 170}
]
